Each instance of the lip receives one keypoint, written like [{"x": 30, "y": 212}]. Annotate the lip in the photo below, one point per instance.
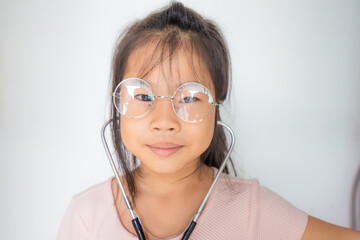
[{"x": 164, "y": 149}]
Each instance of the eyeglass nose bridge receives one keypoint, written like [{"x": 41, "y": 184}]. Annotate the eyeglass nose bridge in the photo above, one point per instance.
[
  {"x": 165, "y": 97},
  {"x": 172, "y": 103}
]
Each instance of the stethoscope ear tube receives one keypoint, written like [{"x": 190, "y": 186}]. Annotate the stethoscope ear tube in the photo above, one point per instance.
[
  {"x": 138, "y": 228},
  {"x": 135, "y": 219},
  {"x": 222, "y": 167},
  {"x": 136, "y": 222},
  {"x": 189, "y": 230},
  {"x": 192, "y": 225}
]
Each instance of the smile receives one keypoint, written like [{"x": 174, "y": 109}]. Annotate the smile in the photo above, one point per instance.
[{"x": 164, "y": 150}]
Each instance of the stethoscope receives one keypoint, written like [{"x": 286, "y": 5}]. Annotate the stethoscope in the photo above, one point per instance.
[{"x": 135, "y": 219}]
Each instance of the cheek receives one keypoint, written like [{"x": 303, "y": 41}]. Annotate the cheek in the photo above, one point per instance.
[
  {"x": 129, "y": 131},
  {"x": 204, "y": 132}
]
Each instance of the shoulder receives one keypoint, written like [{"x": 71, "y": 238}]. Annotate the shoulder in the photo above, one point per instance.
[
  {"x": 92, "y": 203},
  {"x": 259, "y": 195},
  {"x": 228, "y": 182},
  {"x": 269, "y": 215},
  {"x": 99, "y": 191},
  {"x": 238, "y": 191},
  {"x": 98, "y": 196},
  {"x": 237, "y": 187},
  {"x": 85, "y": 210}
]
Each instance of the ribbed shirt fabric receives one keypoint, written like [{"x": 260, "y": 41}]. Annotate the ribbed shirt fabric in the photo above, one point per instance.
[{"x": 237, "y": 209}]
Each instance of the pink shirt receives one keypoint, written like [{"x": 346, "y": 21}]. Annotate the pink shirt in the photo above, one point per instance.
[{"x": 237, "y": 209}]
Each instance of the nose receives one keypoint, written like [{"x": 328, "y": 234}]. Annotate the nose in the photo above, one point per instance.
[{"x": 163, "y": 117}]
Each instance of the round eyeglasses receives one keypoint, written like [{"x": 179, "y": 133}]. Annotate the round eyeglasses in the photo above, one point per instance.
[{"x": 134, "y": 98}]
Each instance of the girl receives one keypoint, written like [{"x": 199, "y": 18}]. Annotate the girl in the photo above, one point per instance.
[{"x": 170, "y": 72}]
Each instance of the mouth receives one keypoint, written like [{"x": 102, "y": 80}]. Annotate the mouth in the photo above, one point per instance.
[{"x": 164, "y": 149}]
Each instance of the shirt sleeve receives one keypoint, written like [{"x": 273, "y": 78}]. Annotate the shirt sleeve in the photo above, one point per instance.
[
  {"x": 72, "y": 226},
  {"x": 277, "y": 218}
]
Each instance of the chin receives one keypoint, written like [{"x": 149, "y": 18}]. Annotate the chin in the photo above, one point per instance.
[{"x": 164, "y": 168}]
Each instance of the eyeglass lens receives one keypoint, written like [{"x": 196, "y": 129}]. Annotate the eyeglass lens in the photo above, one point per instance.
[{"x": 134, "y": 98}]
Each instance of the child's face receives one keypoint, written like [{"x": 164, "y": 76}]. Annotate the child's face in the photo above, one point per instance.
[{"x": 163, "y": 142}]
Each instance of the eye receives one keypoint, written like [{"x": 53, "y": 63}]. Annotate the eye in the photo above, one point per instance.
[
  {"x": 189, "y": 100},
  {"x": 143, "y": 97}
]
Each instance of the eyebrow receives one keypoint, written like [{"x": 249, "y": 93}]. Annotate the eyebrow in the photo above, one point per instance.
[{"x": 177, "y": 85}]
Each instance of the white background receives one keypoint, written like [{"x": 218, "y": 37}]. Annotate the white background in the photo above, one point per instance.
[{"x": 294, "y": 105}]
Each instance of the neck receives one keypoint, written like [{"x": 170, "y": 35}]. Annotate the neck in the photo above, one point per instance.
[{"x": 174, "y": 184}]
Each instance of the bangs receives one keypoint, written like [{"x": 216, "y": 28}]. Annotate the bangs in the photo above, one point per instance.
[{"x": 167, "y": 50}]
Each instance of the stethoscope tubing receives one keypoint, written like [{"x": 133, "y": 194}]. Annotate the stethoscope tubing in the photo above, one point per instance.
[{"x": 135, "y": 219}]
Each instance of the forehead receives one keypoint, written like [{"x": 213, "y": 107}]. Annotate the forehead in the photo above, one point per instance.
[{"x": 160, "y": 68}]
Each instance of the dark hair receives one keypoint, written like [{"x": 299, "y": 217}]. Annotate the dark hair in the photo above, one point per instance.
[{"x": 170, "y": 28}]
